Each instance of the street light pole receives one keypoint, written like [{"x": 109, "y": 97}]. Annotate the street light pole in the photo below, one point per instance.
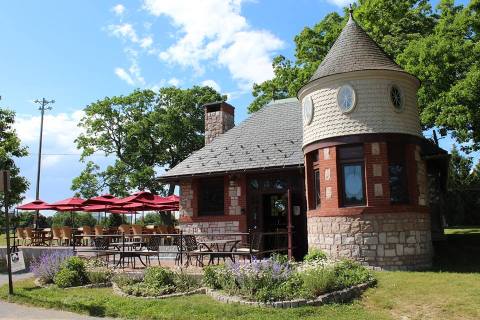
[{"x": 43, "y": 106}]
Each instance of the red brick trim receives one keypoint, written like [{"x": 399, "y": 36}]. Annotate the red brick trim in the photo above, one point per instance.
[{"x": 352, "y": 211}]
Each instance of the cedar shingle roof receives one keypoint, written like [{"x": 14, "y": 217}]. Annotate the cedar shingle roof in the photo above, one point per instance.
[
  {"x": 270, "y": 138},
  {"x": 354, "y": 50}
]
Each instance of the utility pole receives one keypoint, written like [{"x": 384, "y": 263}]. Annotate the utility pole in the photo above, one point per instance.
[{"x": 43, "y": 106}]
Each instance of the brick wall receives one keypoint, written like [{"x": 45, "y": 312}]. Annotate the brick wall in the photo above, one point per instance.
[
  {"x": 234, "y": 218},
  {"x": 394, "y": 241}
]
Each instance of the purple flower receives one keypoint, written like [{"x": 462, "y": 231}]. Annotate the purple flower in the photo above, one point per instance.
[{"x": 48, "y": 264}]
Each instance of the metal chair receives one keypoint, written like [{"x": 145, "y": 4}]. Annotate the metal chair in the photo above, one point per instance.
[
  {"x": 252, "y": 248},
  {"x": 151, "y": 249}
]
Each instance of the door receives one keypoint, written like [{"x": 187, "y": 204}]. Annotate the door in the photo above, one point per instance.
[{"x": 275, "y": 211}]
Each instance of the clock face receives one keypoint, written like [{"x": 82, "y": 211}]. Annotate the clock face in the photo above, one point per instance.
[
  {"x": 346, "y": 98},
  {"x": 307, "y": 110}
]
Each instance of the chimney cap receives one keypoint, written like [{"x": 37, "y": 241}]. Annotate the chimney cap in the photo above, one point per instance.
[
  {"x": 213, "y": 103},
  {"x": 219, "y": 106}
]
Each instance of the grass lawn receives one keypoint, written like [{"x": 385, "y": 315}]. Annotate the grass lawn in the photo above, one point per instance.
[
  {"x": 463, "y": 230},
  {"x": 399, "y": 295}
]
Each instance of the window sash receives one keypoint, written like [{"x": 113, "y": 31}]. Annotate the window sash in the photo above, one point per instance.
[
  {"x": 345, "y": 199},
  {"x": 211, "y": 198}
]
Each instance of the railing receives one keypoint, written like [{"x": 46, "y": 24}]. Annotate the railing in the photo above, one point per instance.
[{"x": 183, "y": 252}]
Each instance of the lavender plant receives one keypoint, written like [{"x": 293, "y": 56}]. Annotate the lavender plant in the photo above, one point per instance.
[{"x": 48, "y": 264}]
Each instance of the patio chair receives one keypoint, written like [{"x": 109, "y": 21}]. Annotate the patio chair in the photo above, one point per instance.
[
  {"x": 165, "y": 239},
  {"x": 101, "y": 246},
  {"x": 190, "y": 249},
  {"x": 29, "y": 236},
  {"x": 98, "y": 230},
  {"x": 67, "y": 235},
  {"x": 124, "y": 228},
  {"x": 20, "y": 234},
  {"x": 86, "y": 232},
  {"x": 57, "y": 235},
  {"x": 137, "y": 231},
  {"x": 152, "y": 248},
  {"x": 252, "y": 248}
]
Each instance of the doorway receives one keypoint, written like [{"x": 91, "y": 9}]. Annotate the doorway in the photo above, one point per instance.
[{"x": 275, "y": 219}]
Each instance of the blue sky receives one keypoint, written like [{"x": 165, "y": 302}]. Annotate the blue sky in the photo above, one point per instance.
[{"x": 78, "y": 52}]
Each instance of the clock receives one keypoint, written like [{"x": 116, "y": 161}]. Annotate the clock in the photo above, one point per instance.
[
  {"x": 307, "y": 110},
  {"x": 346, "y": 98}
]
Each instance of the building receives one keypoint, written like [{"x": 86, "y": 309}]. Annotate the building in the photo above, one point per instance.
[{"x": 362, "y": 178}]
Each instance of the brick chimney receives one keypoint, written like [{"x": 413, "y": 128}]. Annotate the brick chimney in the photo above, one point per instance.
[{"x": 219, "y": 118}]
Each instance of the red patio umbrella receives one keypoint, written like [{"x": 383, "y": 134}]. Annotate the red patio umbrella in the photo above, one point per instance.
[
  {"x": 69, "y": 204},
  {"x": 35, "y": 205},
  {"x": 141, "y": 196},
  {"x": 106, "y": 199}
]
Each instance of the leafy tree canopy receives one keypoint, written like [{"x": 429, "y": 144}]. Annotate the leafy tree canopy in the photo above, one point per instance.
[
  {"x": 440, "y": 47},
  {"x": 11, "y": 148},
  {"x": 144, "y": 131}
]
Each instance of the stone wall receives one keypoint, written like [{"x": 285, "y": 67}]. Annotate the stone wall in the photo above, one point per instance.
[
  {"x": 393, "y": 241},
  {"x": 216, "y": 123}
]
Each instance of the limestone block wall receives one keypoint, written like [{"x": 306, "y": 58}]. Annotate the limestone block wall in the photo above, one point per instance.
[
  {"x": 393, "y": 241},
  {"x": 374, "y": 112}
]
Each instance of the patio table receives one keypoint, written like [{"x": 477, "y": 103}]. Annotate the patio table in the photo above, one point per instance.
[
  {"x": 41, "y": 237},
  {"x": 218, "y": 249},
  {"x": 133, "y": 251}
]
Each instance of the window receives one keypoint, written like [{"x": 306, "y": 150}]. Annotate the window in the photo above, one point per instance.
[
  {"x": 396, "y": 98},
  {"x": 316, "y": 188},
  {"x": 346, "y": 98},
  {"x": 352, "y": 172},
  {"x": 397, "y": 171},
  {"x": 210, "y": 197}
]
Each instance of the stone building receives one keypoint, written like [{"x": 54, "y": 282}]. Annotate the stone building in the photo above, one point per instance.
[{"x": 350, "y": 152}]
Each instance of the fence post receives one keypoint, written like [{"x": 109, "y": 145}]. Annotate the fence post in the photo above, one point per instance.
[
  {"x": 250, "y": 240},
  {"x": 181, "y": 248},
  {"x": 73, "y": 244},
  {"x": 123, "y": 250}
]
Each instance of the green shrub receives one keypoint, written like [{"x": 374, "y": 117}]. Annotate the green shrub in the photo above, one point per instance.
[
  {"x": 317, "y": 282},
  {"x": 211, "y": 278},
  {"x": 99, "y": 275},
  {"x": 124, "y": 279},
  {"x": 158, "y": 277},
  {"x": 77, "y": 265},
  {"x": 315, "y": 255},
  {"x": 185, "y": 282},
  {"x": 349, "y": 273},
  {"x": 141, "y": 289},
  {"x": 67, "y": 278}
]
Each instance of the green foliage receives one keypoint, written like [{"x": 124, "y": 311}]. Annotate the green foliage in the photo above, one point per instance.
[
  {"x": 158, "y": 277},
  {"x": 26, "y": 219},
  {"x": 212, "y": 276},
  {"x": 349, "y": 273},
  {"x": 316, "y": 282},
  {"x": 99, "y": 275},
  {"x": 314, "y": 255},
  {"x": 142, "y": 130},
  {"x": 61, "y": 219},
  {"x": 10, "y": 149},
  {"x": 124, "y": 279},
  {"x": 114, "y": 220},
  {"x": 67, "y": 278},
  {"x": 185, "y": 282},
  {"x": 462, "y": 205},
  {"x": 159, "y": 219}
]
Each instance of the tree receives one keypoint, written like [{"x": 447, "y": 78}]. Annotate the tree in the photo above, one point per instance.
[
  {"x": 441, "y": 48},
  {"x": 10, "y": 148},
  {"x": 144, "y": 131}
]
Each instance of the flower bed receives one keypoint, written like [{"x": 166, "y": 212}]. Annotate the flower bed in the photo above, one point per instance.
[
  {"x": 276, "y": 279},
  {"x": 67, "y": 271},
  {"x": 156, "y": 282}
]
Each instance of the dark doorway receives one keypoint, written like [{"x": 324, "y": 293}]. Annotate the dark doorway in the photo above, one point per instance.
[
  {"x": 267, "y": 208},
  {"x": 275, "y": 210}
]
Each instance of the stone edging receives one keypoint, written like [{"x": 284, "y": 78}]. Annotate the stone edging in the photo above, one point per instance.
[
  {"x": 91, "y": 285},
  {"x": 335, "y": 296},
  {"x": 119, "y": 292}
]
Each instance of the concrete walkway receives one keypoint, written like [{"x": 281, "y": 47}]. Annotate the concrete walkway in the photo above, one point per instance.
[{"x": 12, "y": 311}]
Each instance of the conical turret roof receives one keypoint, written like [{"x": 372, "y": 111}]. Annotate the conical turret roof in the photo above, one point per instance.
[{"x": 354, "y": 50}]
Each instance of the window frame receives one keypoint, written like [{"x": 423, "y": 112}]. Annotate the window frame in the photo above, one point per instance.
[
  {"x": 317, "y": 191},
  {"x": 395, "y": 159},
  {"x": 204, "y": 184},
  {"x": 351, "y": 162}
]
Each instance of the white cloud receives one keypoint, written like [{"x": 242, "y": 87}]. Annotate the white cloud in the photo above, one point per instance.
[
  {"x": 212, "y": 84},
  {"x": 174, "y": 82},
  {"x": 59, "y": 132},
  {"x": 215, "y": 30},
  {"x": 340, "y": 3},
  {"x": 123, "y": 75},
  {"x": 119, "y": 9},
  {"x": 126, "y": 31}
]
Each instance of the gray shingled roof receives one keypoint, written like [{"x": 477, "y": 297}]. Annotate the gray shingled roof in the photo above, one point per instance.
[
  {"x": 270, "y": 138},
  {"x": 354, "y": 50}
]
